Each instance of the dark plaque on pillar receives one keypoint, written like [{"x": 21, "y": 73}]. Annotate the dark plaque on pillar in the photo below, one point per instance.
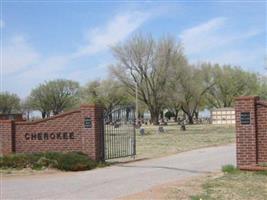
[
  {"x": 245, "y": 118},
  {"x": 87, "y": 122}
]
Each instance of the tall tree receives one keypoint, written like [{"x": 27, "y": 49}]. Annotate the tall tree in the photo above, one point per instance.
[
  {"x": 191, "y": 87},
  {"x": 230, "y": 82},
  {"x": 54, "y": 96},
  {"x": 39, "y": 100},
  {"x": 145, "y": 63},
  {"x": 9, "y": 103}
]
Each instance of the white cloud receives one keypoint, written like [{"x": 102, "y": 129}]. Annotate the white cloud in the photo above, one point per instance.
[
  {"x": 97, "y": 39},
  {"x": 27, "y": 67},
  {"x": 18, "y": 54},
  {"x": 203, "y": 36},
  {"x": 116, "y": 30},
  {"x": 218, "y": 41},
  {"x": 47, "y": 68},
  {"x": 212, "y": 35},
  {"x": 240, "y": 57}
]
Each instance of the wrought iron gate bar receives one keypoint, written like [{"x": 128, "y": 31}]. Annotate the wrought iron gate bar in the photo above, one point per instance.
[{"x": 119, "y": 133}]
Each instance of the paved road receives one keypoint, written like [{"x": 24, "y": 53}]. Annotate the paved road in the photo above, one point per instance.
[{"x": 120, "y": 180}]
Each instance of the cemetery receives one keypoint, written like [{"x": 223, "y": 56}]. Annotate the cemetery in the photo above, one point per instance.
[{"x": 133, "y": 100}]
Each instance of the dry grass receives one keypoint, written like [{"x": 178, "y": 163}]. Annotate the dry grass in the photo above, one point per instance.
[
  {"x": 153, "y": 145},
  {"x": 235, "y": 186}
]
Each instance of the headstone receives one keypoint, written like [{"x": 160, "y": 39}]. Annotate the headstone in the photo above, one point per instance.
[
  {"x": 160, "y": 129},
  {"x": 182, "y": 128},
  {"x": 116, "y": 125},
  {"x": 142, "y": 131}
]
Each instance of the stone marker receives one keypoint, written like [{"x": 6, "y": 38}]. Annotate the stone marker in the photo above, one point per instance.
[
  {"x": 142, "y": 131},
  {"x": 160, "y": 129}
]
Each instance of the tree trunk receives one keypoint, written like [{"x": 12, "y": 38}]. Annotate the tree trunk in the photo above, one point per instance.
[
  {"x": 110, "y": 117},
  {"x": 161, "y": 114},
  {"x": 176, "y": 115},
  {"x": 190, "y": 115},
  {"x": 190, "y": 119},
  {"x": 196, "y": 115},
  {"x": 155, "y": 117},
  {"x": 43, "y": 115}
]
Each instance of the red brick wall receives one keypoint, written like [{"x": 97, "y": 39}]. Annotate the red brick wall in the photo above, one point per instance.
[
  {"x": 251, "y": 139},
  {"x": 5, "y": 137},
  {"x": 64, "y": 132}
]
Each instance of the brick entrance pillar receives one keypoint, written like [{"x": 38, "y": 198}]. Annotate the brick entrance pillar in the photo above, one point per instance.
[
  {"x": 5, "y": 137},
  {"x": 92, "y": 134},
  {"x": 246, "y": 131}
]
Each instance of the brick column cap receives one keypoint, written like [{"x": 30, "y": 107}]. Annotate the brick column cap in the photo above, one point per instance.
[{"x": 247, "y": 98}]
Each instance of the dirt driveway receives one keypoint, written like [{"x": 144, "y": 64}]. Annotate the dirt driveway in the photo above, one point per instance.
[{"x": 119, "y": 180}]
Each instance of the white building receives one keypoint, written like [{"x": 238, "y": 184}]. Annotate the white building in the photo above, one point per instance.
[{"x": 223, "y": 116}]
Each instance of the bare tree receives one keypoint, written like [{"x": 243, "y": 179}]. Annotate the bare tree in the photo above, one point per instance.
[{"x": 146, "y": 63}]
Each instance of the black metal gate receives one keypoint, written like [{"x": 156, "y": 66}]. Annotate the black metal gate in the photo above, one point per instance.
[{"x": 119, "y": 134}]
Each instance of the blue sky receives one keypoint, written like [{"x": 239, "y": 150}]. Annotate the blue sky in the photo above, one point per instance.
[{"x": 66, "y": 39}]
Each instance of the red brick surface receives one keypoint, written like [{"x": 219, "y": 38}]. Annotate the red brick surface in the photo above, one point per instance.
[
  {"x": 253, "y": 168},
  {"x": 5, "y": 137},
  {"x": 251, "y": 139},
  {"x": 62, "y": 133}
]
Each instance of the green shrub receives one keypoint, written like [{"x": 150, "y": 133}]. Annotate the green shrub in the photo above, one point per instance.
[
  {"x": 73, "y": 161},
  {"x": 18, "y": 161},
  {"x": 229, "y": 169}
]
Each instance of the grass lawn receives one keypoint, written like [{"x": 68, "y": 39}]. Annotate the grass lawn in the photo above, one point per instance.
[
  {"x": 173, "y": 140},
  {"x": 235, "y": 186}
]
